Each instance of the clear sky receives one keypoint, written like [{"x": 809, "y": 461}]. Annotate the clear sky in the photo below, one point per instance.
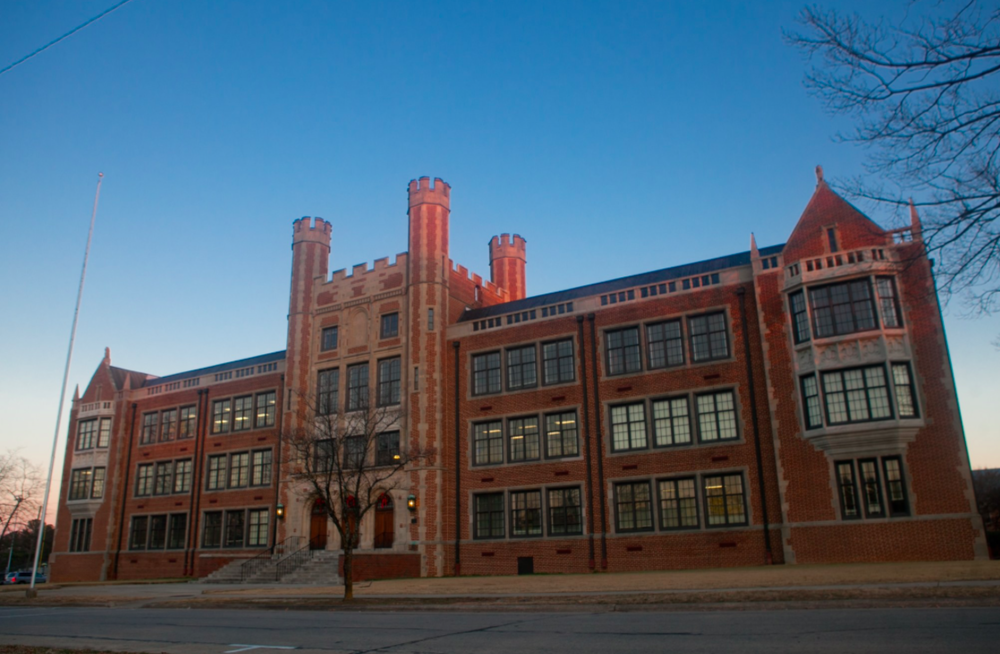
[{"x": 616, "y": 137}]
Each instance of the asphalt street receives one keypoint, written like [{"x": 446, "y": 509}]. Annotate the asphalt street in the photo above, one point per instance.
[{"x": 219, "y": 631}]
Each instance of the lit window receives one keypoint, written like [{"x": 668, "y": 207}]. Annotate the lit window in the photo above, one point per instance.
[
  {"x": 265, "y": 409},
  {"x": 242, "y": 413},
  {"x": 561, "y": 435},
  {"x": 725, "y": 503},
  {"x": 487, "y": 443},
  {"x": 524, "y": 439},
  {"x": 221, "y": 411}
]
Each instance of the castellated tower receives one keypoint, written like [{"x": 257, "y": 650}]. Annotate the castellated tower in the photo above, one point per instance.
[
  {"x": 429, "y": 272},
  {"x": 310, "y": 261},
  {"x": 507, "y": 260}
]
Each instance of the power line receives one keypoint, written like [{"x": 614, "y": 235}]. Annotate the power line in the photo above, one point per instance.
[{"x": 66, "y": 35}]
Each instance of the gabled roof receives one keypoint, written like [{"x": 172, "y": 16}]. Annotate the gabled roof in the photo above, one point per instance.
[
  {"x": 826, "y": 208},
  {"x": 120, "y": 377},
  {"x": 642, "y": 279}
]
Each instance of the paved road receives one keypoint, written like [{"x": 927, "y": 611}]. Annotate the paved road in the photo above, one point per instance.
[{"x": 215, "y": 631}]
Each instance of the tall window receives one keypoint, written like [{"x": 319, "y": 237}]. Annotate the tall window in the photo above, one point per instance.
[
  {"x": 242, "y": 413},
  {"x": 260, "y": 468},
  {"x": 323, "y": 456},
  {"x": 176, "y": 531},
  {"x": 717, "y": 417},
  {"x": 86, "y": 430},
  {"x": 97, "y": 488},
  {"x": 187, "y": 428},
  {"x": 906, "y": 398},
  {"x": 182, "y": 476},
  {"x": 526, "y": 513},
  {"x": 709, "y": 339},
  {"x": 842, "y": 308},
  {"x": 810, "y": 398},
  {"x": 221, "y": 410},
  {"x": 327, "y": 389},
  {"x": 524, "y": 440},
  {"x": 387, "y": 448},
  {"x": 390, "y": 326},
  {"x": 486, "y": 373},
  {"x": 725, "y": 503},
  {"x": 148, "y": 428},
  {"x": 157, "y": 532},
  {"x": 163, "y": 481},
  {"x": 329, "y": 339},
  {"x": 140, "y": 529},
  {"x": 665, "y": 343},
  {"x": 388, "y": 382},
  {"x": 487, "y": 443},
  {"x": 895, "y": 488},
  {"x": 104, "y": 435},
  {"x": 671, "y": 422},
  {"x": 144, "y": 480},
  {"x": 871, "y": 489},
  {"x": 561, "y": 435},
  {"x": 633, "y": 507},
  {"x": 557, "y": 362},
  {"x": 168, "y": 425},
  {"x": 265, "y": 409},
  {"x": 216, "y": 478},
  {"x": 522, "y": 371},
  {"x": 488, "y": 516},
  {"x": 354, "y": 452},
  {"x": 565, "y": 512},
  {"x": 79, "y": 483},
  {"x": 239, "y": 469},
  {"x": 848, "y": 488},
  {"x": 628, "y": 427},
  {"x": 623, "y": 351},
  {"x": 235, "y": 526},
  {"x": 430, "y": 320},
  {"x": 800, "y": 317},
  {"x": 79, "y": 535},
  {"x": 257, "y": 532},
  {"x": 678, "y": 504},
  {"x": 888, "y": 301},
  {"x": 357, "y": 387},
  {"x": 212, "y": 530},
  {"x": 856, "y": 395}
]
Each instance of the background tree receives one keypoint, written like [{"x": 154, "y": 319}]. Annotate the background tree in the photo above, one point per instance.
[
  {"x": 925, "y": 98},
  {"x": 347, "y": 462},
  {"x": 20, "y": 488}
]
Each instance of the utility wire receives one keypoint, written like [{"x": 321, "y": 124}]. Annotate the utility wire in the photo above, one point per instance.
[{"x": 66, "y": 35}]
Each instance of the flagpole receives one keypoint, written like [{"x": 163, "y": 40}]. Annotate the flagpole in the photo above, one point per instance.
[{"x": 31, "y": 592}]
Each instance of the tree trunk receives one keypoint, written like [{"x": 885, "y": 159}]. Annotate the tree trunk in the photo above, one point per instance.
[{"x": 348, "y": 572}]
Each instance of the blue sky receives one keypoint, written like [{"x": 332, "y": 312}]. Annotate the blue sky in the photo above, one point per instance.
[{"x": 615, "y": 137}]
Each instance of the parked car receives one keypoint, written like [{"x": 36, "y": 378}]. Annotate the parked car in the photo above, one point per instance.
[{"x": 24, "y": 577}]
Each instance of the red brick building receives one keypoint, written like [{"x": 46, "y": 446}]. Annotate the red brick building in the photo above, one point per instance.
[{"x": 789, "y": 404}]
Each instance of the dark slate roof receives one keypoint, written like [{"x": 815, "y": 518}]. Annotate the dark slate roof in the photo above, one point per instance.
[
  {"x": 119, "y": 375},
  {"x": 642, "y": 279},
  {"x": 222, "y": 367}
]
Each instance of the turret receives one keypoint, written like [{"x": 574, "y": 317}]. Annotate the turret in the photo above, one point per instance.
[
  {"x": 310, "y": 262},
  {"x": 507, "y": 259},
  {"x": 429, "y": 209}
]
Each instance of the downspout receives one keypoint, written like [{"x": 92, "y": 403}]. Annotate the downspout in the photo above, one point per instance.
[
  {"x": 197, "y": 481},
  {"x": 591, "y": 563},
  {"x": 125, "y": 486},
  {"x": 741, "y": 293},
  {"x": 277, "y": 462},
  {"x": 458, "y": 470},
  {"x": 189, "y": 545},
  {"x": 600, "y": 444}
]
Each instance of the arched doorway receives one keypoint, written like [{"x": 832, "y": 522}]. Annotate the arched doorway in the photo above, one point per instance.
[
  {"x": 318, "y": 526},
  {"x": 384, "y": 523}
]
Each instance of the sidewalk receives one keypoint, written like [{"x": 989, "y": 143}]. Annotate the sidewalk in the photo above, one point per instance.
[{"x": 966, "y": 581}]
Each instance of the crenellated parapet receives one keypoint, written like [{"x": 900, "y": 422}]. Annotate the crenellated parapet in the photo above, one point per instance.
[
  {"x": 362, "y": 270},
  {"x": 508, "y": 256},
  {"x": 472, "y": 290},
  {"x": 313, "y": 230},
  {"x": 422, "y": 191},
  {"x": 506, "y": 245}
]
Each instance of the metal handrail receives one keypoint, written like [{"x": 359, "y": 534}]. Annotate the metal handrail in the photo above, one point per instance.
[
  {"x": 250, "y": 568},
  {"x": 293, "y": 561}
]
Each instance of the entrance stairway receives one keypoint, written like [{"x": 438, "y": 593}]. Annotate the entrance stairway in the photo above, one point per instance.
[{"x": 289, "y": 562}]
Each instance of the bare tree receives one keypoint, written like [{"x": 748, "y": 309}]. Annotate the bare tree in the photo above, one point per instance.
[
  {"x": 925, "y": 98},
  {"x": 20, "y": 487},
  {"x": 347, "y": 462}
]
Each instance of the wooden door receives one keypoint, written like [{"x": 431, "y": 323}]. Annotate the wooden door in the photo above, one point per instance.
[
  {"x": 383, "y": 523},
  {"x": 317, "y": 527}
]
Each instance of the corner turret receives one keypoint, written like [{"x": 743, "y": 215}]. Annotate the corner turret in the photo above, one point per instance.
[{"x": 508, "y": 257}]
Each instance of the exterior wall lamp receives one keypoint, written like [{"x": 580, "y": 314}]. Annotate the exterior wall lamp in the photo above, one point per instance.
[
  {"x": 280, "y": 511},
  {"x": 411, "y": 502}
]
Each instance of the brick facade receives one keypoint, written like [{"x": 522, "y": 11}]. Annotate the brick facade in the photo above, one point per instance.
[{"x": 790, "y": 404}]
